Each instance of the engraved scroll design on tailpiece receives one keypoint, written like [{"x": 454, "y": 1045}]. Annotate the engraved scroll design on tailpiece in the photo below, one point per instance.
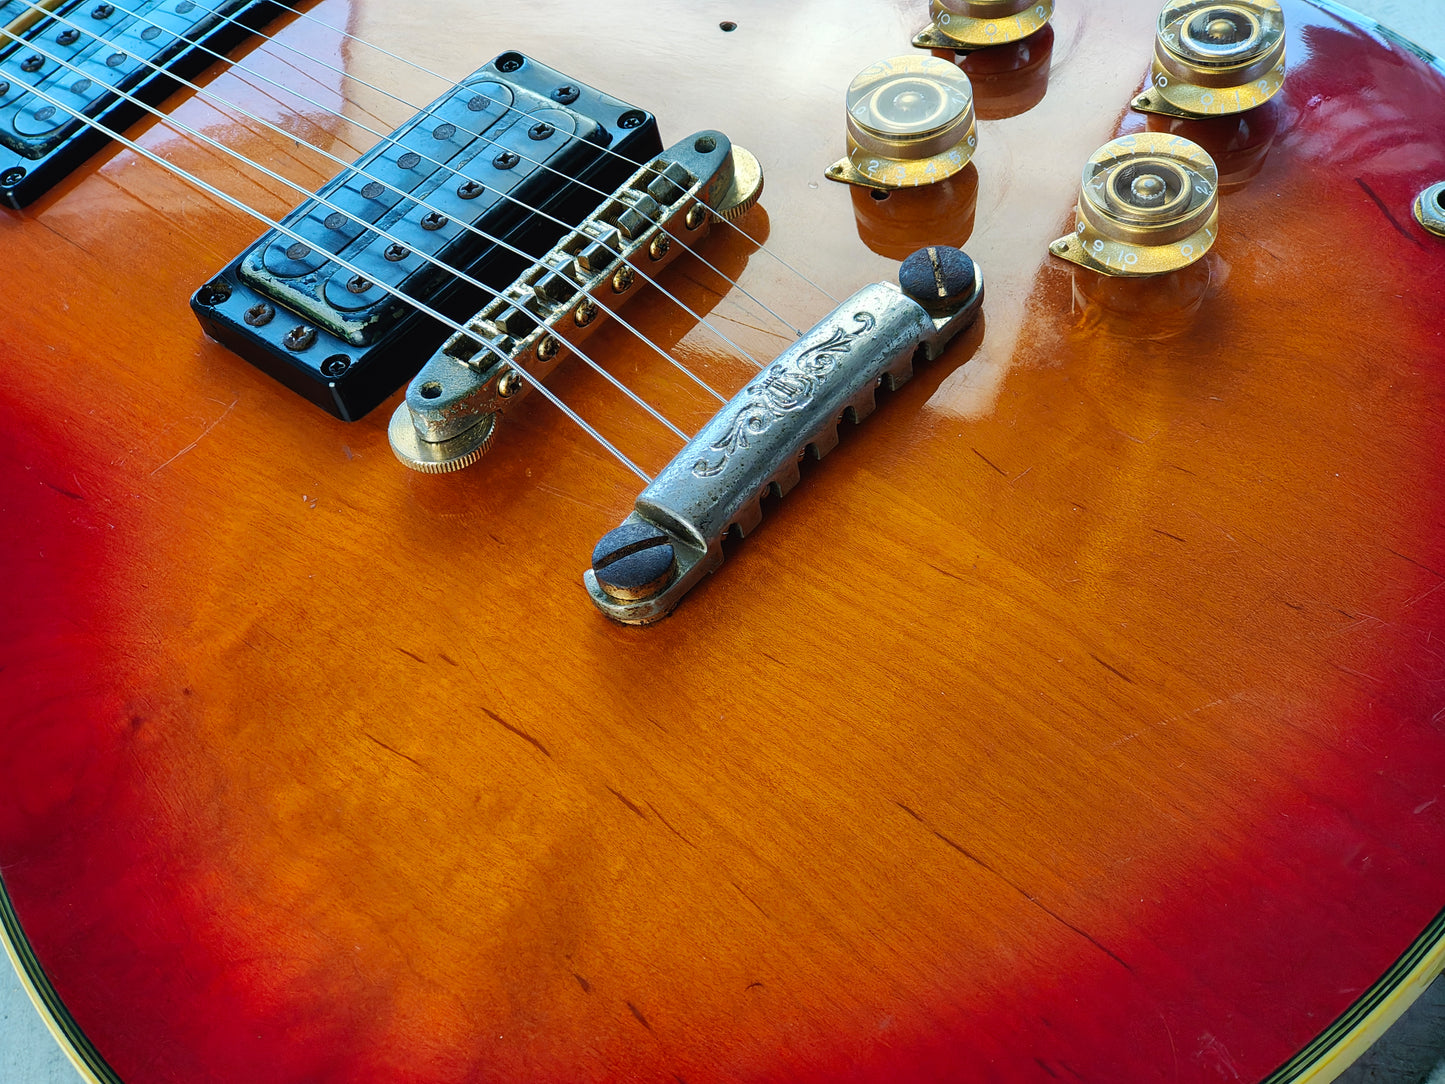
[{"x": 785, "y": 387}]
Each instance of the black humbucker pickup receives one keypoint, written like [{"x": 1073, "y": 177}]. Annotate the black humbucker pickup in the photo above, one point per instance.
[
  {"x": 80, "y": 57},
  {"x": 482, "y": 182}
]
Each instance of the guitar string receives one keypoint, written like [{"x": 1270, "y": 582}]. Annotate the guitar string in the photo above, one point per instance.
[
  {"x": 390, "y": 138},
  {"x": 453, "y": 85},
  {"x": 418, "y": 202},
  {"x": 421, "y": 307}
]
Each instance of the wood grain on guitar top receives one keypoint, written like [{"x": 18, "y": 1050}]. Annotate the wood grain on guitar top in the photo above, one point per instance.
[{"x": 1080, "y": 717}]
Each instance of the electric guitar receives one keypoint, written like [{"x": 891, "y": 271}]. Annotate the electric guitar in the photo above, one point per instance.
[{"x": 1080, "y": 717}]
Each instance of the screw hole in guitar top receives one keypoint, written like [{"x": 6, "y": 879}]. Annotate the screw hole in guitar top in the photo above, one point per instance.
[
  {"x": 879, "y": 194},
  {"x": 727, "y": 26},
  {"x": 430, "y": 390}
]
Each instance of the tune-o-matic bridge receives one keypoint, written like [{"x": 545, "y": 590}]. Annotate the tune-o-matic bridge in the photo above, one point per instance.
[
  {"x": 83, "y": 55},
  {"x": 453, "y": 405},
  {"x": 751, "y": 448},
  {"x": 440, "y": 216}
]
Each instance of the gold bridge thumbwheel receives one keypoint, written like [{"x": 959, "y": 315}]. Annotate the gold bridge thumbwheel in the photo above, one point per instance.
[
  {"x": 1149, "y": 204},
  {"x": 910, "y": 122},
  {"x": 1214, "y": 58},
  {"x": 965, "y": 25}
]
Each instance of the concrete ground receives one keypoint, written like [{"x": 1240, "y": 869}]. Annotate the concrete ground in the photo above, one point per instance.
[{"x": 1413, "y": 1052}]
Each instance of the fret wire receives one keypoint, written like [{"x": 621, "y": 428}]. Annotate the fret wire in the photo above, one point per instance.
[
  {"x": 272, "y": 223},
  {"x": 461, "y": 275}
]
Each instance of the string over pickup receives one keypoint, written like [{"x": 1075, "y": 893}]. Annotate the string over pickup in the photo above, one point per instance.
[
  {"x": 751, "y": 447},
  {"x": 453, "y": 405}
]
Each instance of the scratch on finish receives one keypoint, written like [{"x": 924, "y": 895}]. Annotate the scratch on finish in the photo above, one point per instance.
[
  {"x": 520, "y": 733},
  {"x": 669, "y": 827},
  {"x": 1218, "y": 1057},
  {"x": 989, "y": 461},
  {"x": 394, "y": 752},
  {"x": 1414, "y": 562},
  {"x": 1017, "y": 888},
  {"x": 1385, "y": 210},
  {"x": 623, "y": 799},
  {"x": 224, "y": 415},
  {"x": 754, "y": 902},
  {"x": 411, "y": 655},
  {"x": 1106, "y": 666},
  {"x": 636, "y": 1012}
]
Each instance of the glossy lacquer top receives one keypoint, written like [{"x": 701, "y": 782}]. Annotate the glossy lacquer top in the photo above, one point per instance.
[{"x": 1078, "y": 718}]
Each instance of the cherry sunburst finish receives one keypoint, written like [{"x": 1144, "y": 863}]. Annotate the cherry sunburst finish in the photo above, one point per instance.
[{"x": 1081, "y": 717}]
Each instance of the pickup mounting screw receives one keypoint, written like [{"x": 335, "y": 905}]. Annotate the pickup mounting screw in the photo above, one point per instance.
[
  {"x": 335, "y": 365},
  {"x": 32, "y": 64},
  {"x": 634, "y": 561},
  {"x": 260, "y": 314},
  {"x": 506, "y": 160},
  {"x": 68, "y": 36},
  {"x": 566, "y": 95},
  {"x": 102, "y": 11},
  {"x": 540, "y": 132},
  {"x": 358, "y": 284},
  {"x": 433, "y": 220},
  {"x": 396, "y": 253},
  {"x": 633, "y": 118},
  {"x": 470, "y": 189},
  {"x": 299, "y": 338},
  {"x": 509, "y": 62},
  {"x": 12, "y": 177}
]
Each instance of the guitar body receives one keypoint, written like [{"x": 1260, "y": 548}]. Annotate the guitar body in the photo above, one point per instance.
[{"x": 1082, "y": 716}]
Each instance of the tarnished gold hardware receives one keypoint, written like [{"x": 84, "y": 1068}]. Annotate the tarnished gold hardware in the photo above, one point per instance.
[
  {"x": 659, "y": 247},
  {"x": 696, "y": 216},
  {"x": 746, "y": 187},
  {"x": 910, "y": 122},
  {"x": 1149, "y": 204},
  {"x": 622, "y": 280},
  {"x": 548, "y": 348},
  {"x": 1215, "y": 57},
  {"x": 585, "y": 312},
  {"x": 964, "y": 25},
  {"x": 1430, "y": 209}
]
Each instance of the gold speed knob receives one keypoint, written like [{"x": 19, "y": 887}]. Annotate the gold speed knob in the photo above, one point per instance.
[
  {"x": 910, "y": 122},
  {"x": 965, "y": 25},
  {"x": 1215, "y": 58},
  {"x": 1149, "y": 204}
]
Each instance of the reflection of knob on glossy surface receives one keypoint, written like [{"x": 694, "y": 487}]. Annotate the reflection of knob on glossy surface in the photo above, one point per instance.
[
  {"x": 964, "y": 25},
  {"x": 1238, "y": 144},
  {"x": 896, "y": 224},
  {"x": 1142, "y": 310},
  {"x": 1009, "y": 79},
  {"x": 1215, "y": 57},
  {"x": 910, "y": 122}
]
